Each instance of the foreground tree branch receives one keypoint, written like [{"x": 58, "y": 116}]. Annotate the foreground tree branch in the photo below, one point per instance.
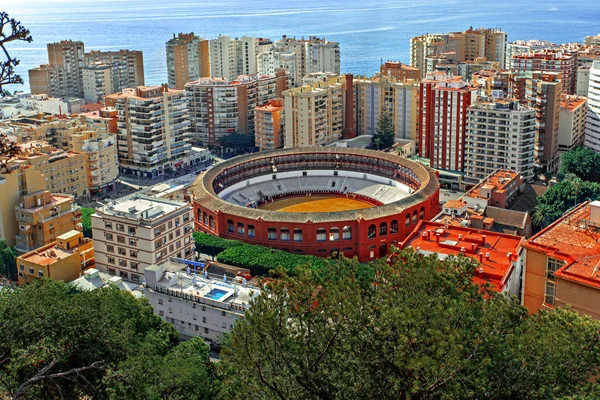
[{"x": 10, "y": 30}]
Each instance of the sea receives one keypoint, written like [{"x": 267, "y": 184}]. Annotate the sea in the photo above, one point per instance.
[{"x": 368, "y": 31}]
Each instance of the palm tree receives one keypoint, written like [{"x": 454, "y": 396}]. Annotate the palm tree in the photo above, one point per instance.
[{"x": 542, "y": 215}]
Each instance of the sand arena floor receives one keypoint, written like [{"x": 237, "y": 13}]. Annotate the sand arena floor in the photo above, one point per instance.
[{"x": 317, "y": 203}]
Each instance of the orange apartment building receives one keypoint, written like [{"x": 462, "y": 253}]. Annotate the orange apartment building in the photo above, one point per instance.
[
  {"x": 563, "y": 263},
  {"x": 42, "y": 217},
  {"x": 187, "y": 59},
  {"x": 63, "y": 260},
  {"x": 402, "y": 72},
  {"x": 269, "y": 125},
  {"x": 500, "y": 256}
]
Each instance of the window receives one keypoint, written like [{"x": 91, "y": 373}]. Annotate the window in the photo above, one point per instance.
[
  {"x": 552, "y": 266},
  {"x": 203, "y": 320},
  {"x": 211, "y": 222},
  {"x": 407, "y": 219},
  {"x": 111, "y": 260},
  {"x": 347, "y": 232},
  {"x": 31, "y": 270},
  {"x": 132, "y": 242},
  {"x": 334, "y": 233},
  {"x": 371, "y": 232},
  {"x": 122, "y": 251},
  {"x": 206, "y": 330},
  {"x": 21, "y": 267},
  {"x": 194, "y": 317},
  {"x": 194, "y": 305},
  {"x": 133, "y": 265},
  {"x": 40, "y": 273},
  {"x": 161, "y": 313},
  {"x": 297, "y": 235},
  {"x": 108, "y": 236},
  {"x": 229, "y": 226},
  {"x": 223, "y": 314},
  {"x": 110, "y": 249},
  {"x": 251, "y": 232},
  {"x": 321, "y": 235},
  {"x": 120, "y": 227},
  {"x": 133, "y": 253},
  {"x": 131, "y": 230},
  {"x": 122, "y": 263},
  {"x": 170, "y": 310},
  {"x": 272, "y": 234},
  {"x": 414, "y": 217},
  {"x": 422, "y": 213},
  {"x": 550, "y": 293},
  {"x": 284, "y": 234},
  {"x": 241, "y": 229},
  {"x": 203, "y": 308},
  {"x": 204, "y": 218},
  {"x": 393, "y": 227},
  {"x": 383, "y": 229},
  {"x": 108, "y": 225},
  {"x": 121, "y": 239},
  {"x": 160, "y": 301}
]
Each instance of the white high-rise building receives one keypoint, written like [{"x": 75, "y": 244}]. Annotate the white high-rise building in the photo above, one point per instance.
[
  {"x": 230, "y": 58},
  {"x": 592, "y": 126},
  {"x": 500, "y": 135}
]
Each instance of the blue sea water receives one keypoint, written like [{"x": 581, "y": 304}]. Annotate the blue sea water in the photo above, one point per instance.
[{"x": 368, "y": 31}]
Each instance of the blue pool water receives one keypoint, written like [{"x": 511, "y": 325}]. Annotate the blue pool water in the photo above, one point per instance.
[{"x": 215, "y": 294}]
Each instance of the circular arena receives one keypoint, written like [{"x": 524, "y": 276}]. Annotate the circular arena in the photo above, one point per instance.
[{"x": 317, "y": 201}]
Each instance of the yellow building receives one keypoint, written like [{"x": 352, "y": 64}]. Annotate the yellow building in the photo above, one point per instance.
[
  {"x": 64, "y": 171},
  {"x": 20, "y": 182},
  {"x": 187, "y": 59},
  {"x": 42, "y": 217},
  {"x": 64, "y": 260},
  {"x": 100, "y": 151}
]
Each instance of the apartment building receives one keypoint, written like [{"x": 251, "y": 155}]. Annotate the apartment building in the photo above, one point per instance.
[
  {"x": 271, "y": 61},
  {"x": 402, "y": 72},
  {"x": 269, "y": 125},
  {"x": 154, "y": 130},
  {"x": 592, "y": 127},
  {"x": 132, "y": 62},
  {"x": 218, "y": 107},
  {"x": 314, "y": 115},
  {"x": 42, "y": 217},
  {"x": 64, "y": 171},
  {"x": 467, "y": 46},
  {"x": 550, "y": 60},
  {"x": 593, "y": 40},
  {"x": 562, "y": 263},
  {"x": 572, "y": 120},
  {"x": 103, "y": 120},
  {"x": 187, "y": 59},
  {"x": 14, "y": 185},
  {"x": 133, "y": 234},
  {"x": 68, "y": 56},
  {"x": 386, "y": 93},
  {"x": 101, "y": 161},
  {"x": 100, "y": 79},
  {"x": 443, "y": 120},
  {"x": 65, "y": 259},
  {"x": 197, "y": 303},
  {"x": 525, "y": 46},
  {"x": 583, "y": 80},
  {"x": 500, "y": 135},
  {"x": 47, "y": 79},
  {"x": 230, "y": 58},
  {"x": 542, "y": 91}
]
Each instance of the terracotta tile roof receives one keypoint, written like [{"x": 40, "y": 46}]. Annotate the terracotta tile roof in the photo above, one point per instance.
[
  {"x": 491, "y": 249},
  {"x": 574, "y": 240}
]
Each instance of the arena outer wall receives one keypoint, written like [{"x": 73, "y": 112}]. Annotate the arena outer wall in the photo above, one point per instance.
[{"x": 355, "y": 236}]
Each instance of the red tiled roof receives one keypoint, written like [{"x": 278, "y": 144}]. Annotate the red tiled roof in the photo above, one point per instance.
[{"x": 491, "y": 249}]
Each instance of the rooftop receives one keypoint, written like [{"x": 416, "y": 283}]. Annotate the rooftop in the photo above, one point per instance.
[
  {"x": 141, "y": 207},
  {"x": 571, "y": 103},
  {"x": 51, "y": 253},
  {"x": 498, "y": 181},
  {"x": 494, "y": 251},
  {"x": 575, "y": 239},
  {"x": 93, "y": 279}
]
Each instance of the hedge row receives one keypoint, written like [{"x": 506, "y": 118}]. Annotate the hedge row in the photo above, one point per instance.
[{"x": 258, "y": 259}]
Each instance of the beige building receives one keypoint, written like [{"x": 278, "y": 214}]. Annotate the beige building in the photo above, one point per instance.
[
  {"x": 101, "y": 162},
  {"x": 46, "y": 79},
  {"x": 133, "y": 234},
  {"x": 42, "y": 217},
  {"x": 20, "y": 182},
  {"x": 100, "y": 79},
  {"x": 64, "y": 171},
  {"x": 131, "y": 60},
  {"x": 154, "y": 130},
  {"x": 269, "y": 125},
  {"x": 64, "y": 259},
  {"x": 187, "y": 59},
  {"x": 571, "y": 128},
  {"x": 314, "y": 115},
  {"x": 402, "y": 72},
  {"x": 381, "y": 93},
  {"x": 550, "y": 60},
  {"x": 230, "y": 58},
  {"x": 68, "y": 56}
]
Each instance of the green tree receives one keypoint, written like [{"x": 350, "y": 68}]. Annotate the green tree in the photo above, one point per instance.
[
  {"x": 238, "y": 142},
  {"x": 582, "y": 162},
  {"x": 418, "y": 329},
  {"x": 58, "y": 342},
  {"x": 385, "y": 133},
  {"x": 86, "y": 220},
  {"x": 8, "y": 257},
  {"x": 10, "y": 30}
]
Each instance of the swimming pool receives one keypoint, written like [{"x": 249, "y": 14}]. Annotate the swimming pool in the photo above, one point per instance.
[{"x": 215, "y": 294}]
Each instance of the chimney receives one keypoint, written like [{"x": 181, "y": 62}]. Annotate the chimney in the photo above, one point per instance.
[
  {"x": 483, "y": 239},
  {"x": 509, "y": 256},
  {"x": 487, "y": 255},
  {"x": 437, "y": 238},
  {"x": 480, "y": 258},
  {"x": 429, "y": 234},
  {"x": 349, "y": 130}
]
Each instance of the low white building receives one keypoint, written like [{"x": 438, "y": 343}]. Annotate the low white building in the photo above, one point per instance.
[{"x": 197, "y": 304}]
